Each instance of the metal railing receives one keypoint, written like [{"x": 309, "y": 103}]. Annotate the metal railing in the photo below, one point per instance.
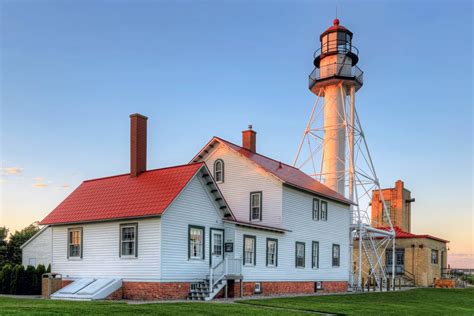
[
  {"x": 225, "y": 267},
  {"x": 336, "y": 70},
  {"x": 336, "y": 46}
]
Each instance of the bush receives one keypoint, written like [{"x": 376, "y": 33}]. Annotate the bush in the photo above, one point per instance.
[
  {"x": 48, "y": 270},
  {"x": 40, "y": 270},
  {"x": 17, "y": 283},
  {"x": 5, "y": 279},
  {"x": 31, "y": 281},
  {"x": 16, "y": 280}
]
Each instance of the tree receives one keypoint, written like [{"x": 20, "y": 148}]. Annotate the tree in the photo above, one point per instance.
[
  {"x": 18, "y": 279},
  {"x": 16, "y": 240},
  {"x": 3, "y": 245},
  {"x": 40, "y": 270},
  {"x": 31, "y": 281},
  {"x": 5, "y": 279}
]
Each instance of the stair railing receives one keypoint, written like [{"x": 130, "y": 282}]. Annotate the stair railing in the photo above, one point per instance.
[{"x": 216, "y": 274}]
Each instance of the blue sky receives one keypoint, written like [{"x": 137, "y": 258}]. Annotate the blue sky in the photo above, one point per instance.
[{"x": 72, "y": 72}]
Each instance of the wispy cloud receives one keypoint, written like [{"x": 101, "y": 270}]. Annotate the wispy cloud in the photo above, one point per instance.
[
  {"x": 39, "y": 185},
  {"x": 65, "y": 186},
  {"x": 13, "y": 170},
  {"x": 38, "y": 179}
]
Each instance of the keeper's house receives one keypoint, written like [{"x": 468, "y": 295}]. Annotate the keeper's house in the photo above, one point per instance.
[{"x": 231, "y": 222}]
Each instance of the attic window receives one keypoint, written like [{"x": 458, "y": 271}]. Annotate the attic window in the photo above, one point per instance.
[
  {"x": 256, "y": 206},
  {"x": 219, "y": 171}
]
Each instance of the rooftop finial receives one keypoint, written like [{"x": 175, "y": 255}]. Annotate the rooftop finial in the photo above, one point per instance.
[
  {"x": 250, "y": 126},
  {"x": 336, "y": 21}
]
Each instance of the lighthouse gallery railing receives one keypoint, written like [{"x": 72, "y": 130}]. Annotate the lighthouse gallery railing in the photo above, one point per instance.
[{"x": 336, "y": 70}]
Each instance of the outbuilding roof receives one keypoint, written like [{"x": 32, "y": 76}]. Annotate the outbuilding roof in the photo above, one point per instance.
[
  {"x": 289, "y": 175},
  {"x": 401, "y": 234},
  {"x": 123, "y": 196}
]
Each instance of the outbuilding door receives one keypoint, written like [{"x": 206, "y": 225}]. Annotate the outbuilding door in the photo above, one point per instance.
[{"x": 217, "y": 246}]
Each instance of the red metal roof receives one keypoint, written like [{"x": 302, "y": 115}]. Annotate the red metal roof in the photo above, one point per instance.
[
  {"x": 123, "y": 196},
  {"x": 401, "y": 234},
  {"x": 286, "y": 173}
]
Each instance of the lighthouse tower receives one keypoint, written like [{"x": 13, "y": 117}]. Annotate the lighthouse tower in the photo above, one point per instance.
[
  {"x": 335, "y": 76},
  {"x": 337, "y": 154}
]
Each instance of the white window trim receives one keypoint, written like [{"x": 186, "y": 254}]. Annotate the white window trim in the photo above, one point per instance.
[
  {"x": 325, "y": 219},
  {"x": 303, "y": 244},
  {"x": 254, "y": 253},
  {"x": 69, "y": 243},
  {"x": 275, "y": 264},
  {"x": 202, "y": 229},
  {"x": 260, "y": 206},
  {"x": 314, "y": 265},
  {"x": 135, "y": 241},
  {"x": 221, "y": 171},
  {"x": 338, "y": 255}
]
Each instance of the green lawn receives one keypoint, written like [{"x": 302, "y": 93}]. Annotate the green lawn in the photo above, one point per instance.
[
  {"x": 15, "y": 306},
  {"x": 413, "y": 302}
]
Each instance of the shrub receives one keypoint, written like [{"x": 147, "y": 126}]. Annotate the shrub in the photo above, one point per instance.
[
  {"x": 17, "y": 283},
  {"x": 31, "y": 281},
  {"x": 5, "y": 279},
  {"x": 40, "y": 270},
  {"x": 48, "y": 270}
]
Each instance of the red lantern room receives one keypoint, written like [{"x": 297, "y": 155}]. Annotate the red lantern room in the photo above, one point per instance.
[{"x": 335, "y": 60}]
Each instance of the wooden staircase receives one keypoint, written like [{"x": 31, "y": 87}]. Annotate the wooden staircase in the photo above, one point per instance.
[{"x": 207, "y": 289}]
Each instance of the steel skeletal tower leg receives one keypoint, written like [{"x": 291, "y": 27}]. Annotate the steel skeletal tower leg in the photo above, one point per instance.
[{"x": 361, "y": 181}]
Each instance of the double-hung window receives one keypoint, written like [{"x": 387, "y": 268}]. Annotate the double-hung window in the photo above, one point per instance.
[
  {"x": 196, "y": 242},
  {"x": 434, "y": 256},
  {"x": 250, "y": 250},
  {"x": 256, "y": 206},
  {"x": 299, "y": 254},
  {"x": 316, "y": 209},
  {"x": 219, "y": 171},
  {"x": 315, "y": 255},
  {"x": 74, "y": 243},
  {"x": 324, "y": 210},
  {"x": 128, "y": 240},
  {"x": 336, "y": 255},
  {"x": 272, "y": 252}
]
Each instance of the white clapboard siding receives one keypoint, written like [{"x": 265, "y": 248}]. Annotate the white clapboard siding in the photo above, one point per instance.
[
  {"x": 297, "y": 208},
  {"x": 38, "y": 249},
  {"x": 297, "y": 215},
  {"x": 194, "y": 206},
  {"x": 101, "y": 251},
  {"x": 241, "y": 177}
]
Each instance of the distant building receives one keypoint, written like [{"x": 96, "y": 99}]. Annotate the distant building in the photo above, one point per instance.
[
  {"x": 398, "y": 201},
  {"x": 419, "y": 259}
]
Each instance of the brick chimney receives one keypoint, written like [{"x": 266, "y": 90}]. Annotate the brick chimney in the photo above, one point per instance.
[
  {"x": 137, "y": 144},
  {"x": 249, "y": 139}
]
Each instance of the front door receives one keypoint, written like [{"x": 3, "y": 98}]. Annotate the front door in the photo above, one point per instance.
[{"x": 217, "y": 246}]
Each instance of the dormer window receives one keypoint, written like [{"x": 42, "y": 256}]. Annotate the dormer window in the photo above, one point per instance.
[{"x": 219, "y": 171}]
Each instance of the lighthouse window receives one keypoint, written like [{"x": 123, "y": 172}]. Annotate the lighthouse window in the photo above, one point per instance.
[{"x": 219, "y": 171}]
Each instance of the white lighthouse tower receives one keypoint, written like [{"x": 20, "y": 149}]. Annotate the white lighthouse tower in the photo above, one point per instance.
[
  {"x": 335, "y": 151},
  {"x": 335, "y": 77}
]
